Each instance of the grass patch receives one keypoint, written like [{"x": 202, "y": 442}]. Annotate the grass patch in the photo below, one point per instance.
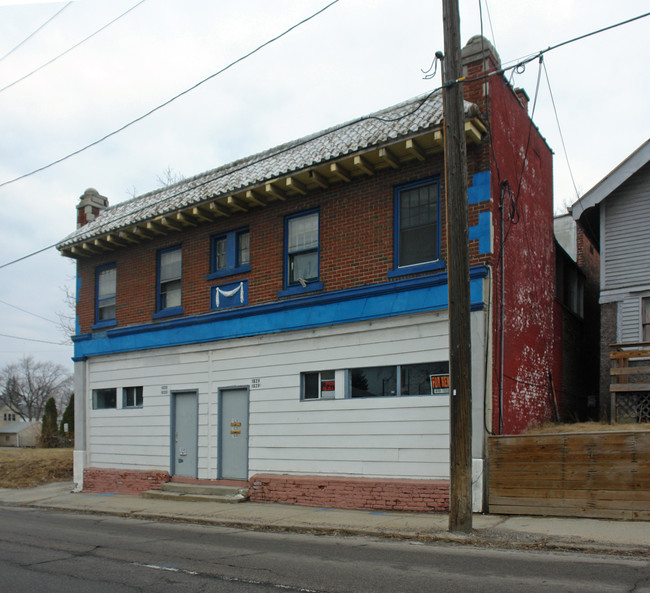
[{"x": 26, "y": 468}]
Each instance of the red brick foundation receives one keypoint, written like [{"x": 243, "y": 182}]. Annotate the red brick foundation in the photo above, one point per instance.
[
  {"x": 351, "y": 493},
  {"x": 118, "y": 481}
]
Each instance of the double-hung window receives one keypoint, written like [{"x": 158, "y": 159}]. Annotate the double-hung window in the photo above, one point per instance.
[
  {"x": 417, "y": 226},
  {"x": 645, "y": 319},
  {"x": 302, "y": 249},
  {"x": 230, "y": 253},
  {"x": 106, "y": 288},
  {"x": 169, "y": 281}
]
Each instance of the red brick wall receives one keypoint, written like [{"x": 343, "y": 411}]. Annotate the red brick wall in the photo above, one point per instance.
[
  {"x": 356, "y": 223},
  {"x": 116, "y": 481},
  {"x": 351, "y": 493}
]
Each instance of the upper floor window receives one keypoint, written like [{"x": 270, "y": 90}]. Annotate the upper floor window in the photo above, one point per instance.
[
  {"x": 302, "y": 245},
  {"x": 169, "y": 281},
  {"x": 417, "y": 223},
  {"x": 230, "y": 253},
  {"x": 106, "y": 283}
]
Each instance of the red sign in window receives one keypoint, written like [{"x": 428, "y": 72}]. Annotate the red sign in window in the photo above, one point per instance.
[
  {"x": 327, "y": 385},
  {"x": 439, "y": 384}
]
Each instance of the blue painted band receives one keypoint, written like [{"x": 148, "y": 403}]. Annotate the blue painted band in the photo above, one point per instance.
[
  {"x": 389, "y": 299},
  {"x": 483, "y": 232},
  {"x": 479, "y": 191}
]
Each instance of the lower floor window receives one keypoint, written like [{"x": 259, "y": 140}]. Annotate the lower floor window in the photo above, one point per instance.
[
  {"x": 319, "y": 385},
  {"x": 406, "y": 379},
  {"x": 132, "y": 397},
  {"x": 429, "y": 378},
  {"x": 104, "y": 398}
]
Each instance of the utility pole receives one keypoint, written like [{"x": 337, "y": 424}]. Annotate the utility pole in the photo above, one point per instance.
[{"x": 460, "y": 393}]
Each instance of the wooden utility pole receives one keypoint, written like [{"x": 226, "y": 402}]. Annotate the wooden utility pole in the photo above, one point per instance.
[{"x": 460, "y": 393}]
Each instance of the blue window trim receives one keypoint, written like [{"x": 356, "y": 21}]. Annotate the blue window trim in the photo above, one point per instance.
[
  {"x": 112, "y": 322},
  {"x": 312, "y": 285},
  {"x": 232, "y": 255},
  {"x": 169, "y": 311},
  {"x": 436, "y": 264}
]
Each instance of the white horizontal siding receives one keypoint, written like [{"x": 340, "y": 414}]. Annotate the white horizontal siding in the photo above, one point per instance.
[
  {"x": 395, "y": 437},
  {"x": 625, "y": 238}
]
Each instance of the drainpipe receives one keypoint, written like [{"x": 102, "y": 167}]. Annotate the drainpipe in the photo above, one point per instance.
[{"x": 502, "y": 314}]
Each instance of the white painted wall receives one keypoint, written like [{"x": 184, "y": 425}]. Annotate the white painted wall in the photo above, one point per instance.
[{"x": 396, "y": 437}]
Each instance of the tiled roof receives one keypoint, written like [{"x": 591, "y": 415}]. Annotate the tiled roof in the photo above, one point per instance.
[{"x": 406, "y": 119}]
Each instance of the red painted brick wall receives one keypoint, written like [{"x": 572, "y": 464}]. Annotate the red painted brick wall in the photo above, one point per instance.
[
  {"x": 351, "y": 493},
  {"x": 116, "y": 481},
  {"x": 520, "y": 160}
]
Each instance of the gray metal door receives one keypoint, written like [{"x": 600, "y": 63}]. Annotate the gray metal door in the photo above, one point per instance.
[
  {"x": 233, "y": 431},
  {"x": 184, "y": 434}
]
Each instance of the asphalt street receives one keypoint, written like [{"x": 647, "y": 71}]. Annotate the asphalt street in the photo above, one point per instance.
[{"x": 56, "y": 552}]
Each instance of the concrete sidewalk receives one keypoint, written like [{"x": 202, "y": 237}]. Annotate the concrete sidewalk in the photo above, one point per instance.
[{"x": 522, "y": 532}]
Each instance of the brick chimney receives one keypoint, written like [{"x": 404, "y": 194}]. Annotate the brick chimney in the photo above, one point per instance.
[
  {"x": 89, "y": 207},
  {"x": 523, "y": 97},
  {"x": 478, "y": 57}
]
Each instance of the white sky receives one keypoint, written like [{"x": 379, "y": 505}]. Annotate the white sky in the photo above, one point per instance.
[{"x": 355, "y": 58}]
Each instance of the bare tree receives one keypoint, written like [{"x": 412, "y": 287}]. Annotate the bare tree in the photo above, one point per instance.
[
  {"x": 169, "y": 177},
  {"x": 67, "y": 317},
  {"x": 25, "y": 386}
]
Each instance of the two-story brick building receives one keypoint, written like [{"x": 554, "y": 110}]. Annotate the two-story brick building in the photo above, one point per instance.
[{"x": 282, "y": 320}]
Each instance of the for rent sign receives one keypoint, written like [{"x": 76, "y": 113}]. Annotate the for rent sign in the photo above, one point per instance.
[{"x": 440, "y": 384}]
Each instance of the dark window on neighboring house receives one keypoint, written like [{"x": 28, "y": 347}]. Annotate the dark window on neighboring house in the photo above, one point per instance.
[
  {"x": 569, "y": 282},
  {"x": 230, "y": 253},
  {"x": 417, "y": 236},
  {"x": 104, "y": 398},
  {"x": 106, "y": 288},
  {"x": 645, "y": 319}
]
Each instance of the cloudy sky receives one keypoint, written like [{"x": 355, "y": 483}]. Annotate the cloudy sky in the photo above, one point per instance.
[{"x": 354, "y": 58}]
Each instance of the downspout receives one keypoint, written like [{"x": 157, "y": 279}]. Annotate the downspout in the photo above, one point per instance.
[{"x": 502, "y": 315}]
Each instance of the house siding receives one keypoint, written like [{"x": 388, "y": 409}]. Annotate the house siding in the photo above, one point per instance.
[{"x": 626, "y": 239}]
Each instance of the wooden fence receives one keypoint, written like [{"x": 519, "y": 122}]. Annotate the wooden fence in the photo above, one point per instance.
[{"x": 600, "y": 474}]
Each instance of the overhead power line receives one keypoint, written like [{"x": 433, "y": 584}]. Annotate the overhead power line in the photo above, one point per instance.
[
  {"x": 501, "y": 71},
  {"x": 33, "y": 340},
  {"x": 174, "y": 98},
  {"x": 28, "y": 312},
  {"x": 34, "y": 33},
  {"x": 67, "y": 51}
]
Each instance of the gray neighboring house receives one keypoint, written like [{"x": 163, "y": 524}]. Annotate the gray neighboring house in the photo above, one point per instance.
[{"x": 615, "y": 215}]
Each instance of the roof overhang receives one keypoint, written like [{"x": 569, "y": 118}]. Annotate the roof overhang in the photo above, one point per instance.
[
  {"x": 364, "y": 163},
  {"x": 586, "y": 210}
]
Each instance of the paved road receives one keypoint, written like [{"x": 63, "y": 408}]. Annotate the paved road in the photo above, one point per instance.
[{"x": 52, "y": 552}]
